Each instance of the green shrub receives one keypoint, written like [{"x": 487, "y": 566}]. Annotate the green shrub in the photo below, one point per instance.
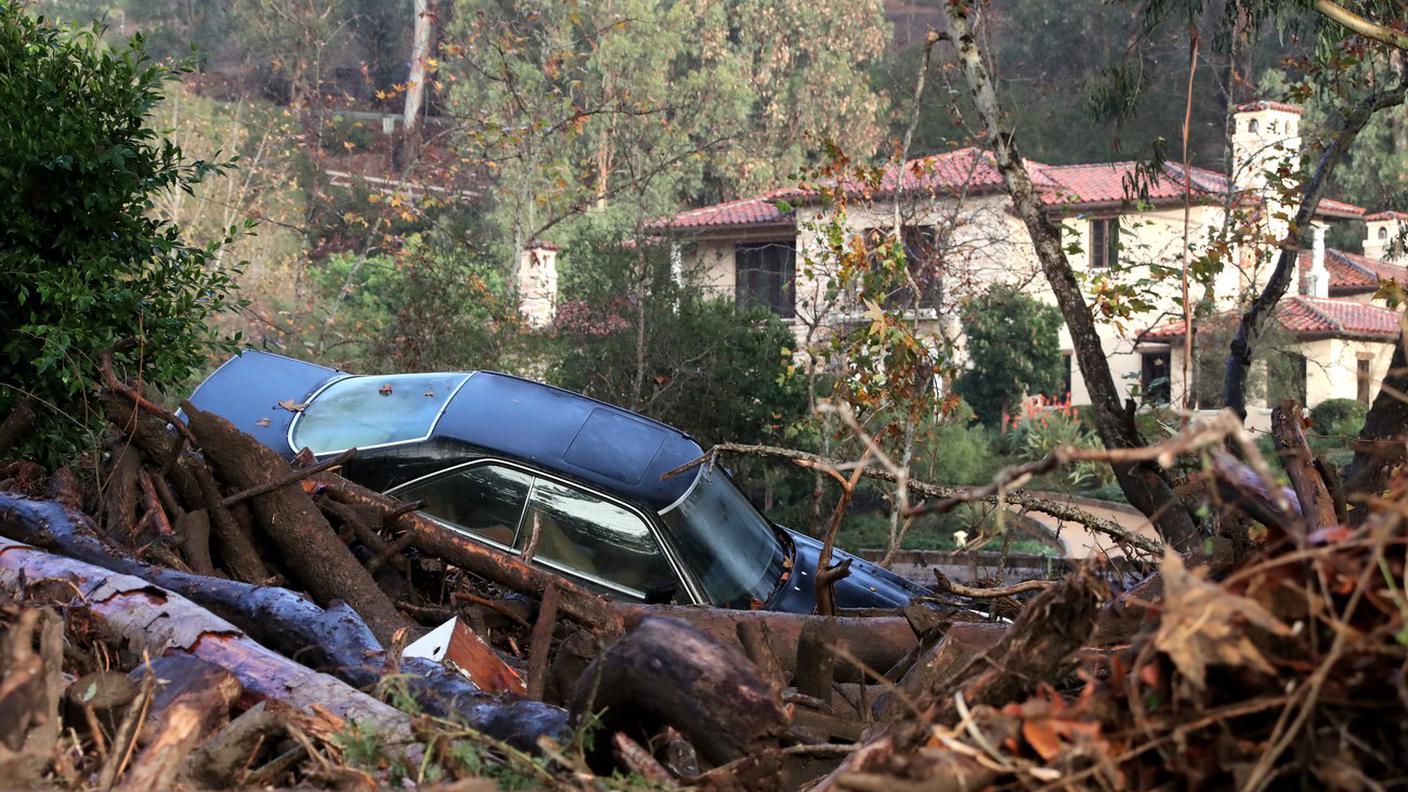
[
  {"x": 1013, "y": 350},
  {"x": 955, "y": 449},
  {"x": 89, "y": 261},
  {"x": 1338, "y": 418},
  {"x": 1044, "y": 426}
]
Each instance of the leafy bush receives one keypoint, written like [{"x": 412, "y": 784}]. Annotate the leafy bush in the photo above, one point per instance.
[
  {"x": 954, "y": 449},
  {"x": 1044, "y": 425},
  {"x": 1339, "y": 418},
  {"x": 1013, "y": 350},
  {"x": 633, "y": 333},
  {"x": 89, "y": 262}
]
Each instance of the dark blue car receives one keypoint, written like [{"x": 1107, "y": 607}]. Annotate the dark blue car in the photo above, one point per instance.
[{"x": 505, "y": 460}]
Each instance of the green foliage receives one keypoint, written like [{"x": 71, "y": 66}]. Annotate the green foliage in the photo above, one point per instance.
[
  {"x": 428, "y": 306},
  {"x": 954, "y": 449},
  {"x": 1042, "y": 428},
  {"x": 1013, "y": 350},
  {"x": 1339, "y": 418},
  {"x": 91, "y": 265},
  {"x": 633, "y": 334}
]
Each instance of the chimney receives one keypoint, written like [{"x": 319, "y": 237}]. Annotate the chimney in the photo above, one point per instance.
[
  {"x": 1316, "y": 281},
  {"x": 537, "y": 284},
  {"x": 1383, "y": 239},
  {"x": 1266, "y": 135}
]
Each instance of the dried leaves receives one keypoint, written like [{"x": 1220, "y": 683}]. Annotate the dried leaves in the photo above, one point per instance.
[{"x": 1204, "y": 625}]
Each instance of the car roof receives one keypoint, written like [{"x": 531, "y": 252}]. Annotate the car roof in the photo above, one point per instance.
[{"x": 605, "y": 445}]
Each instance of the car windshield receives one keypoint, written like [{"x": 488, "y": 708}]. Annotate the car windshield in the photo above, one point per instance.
[
  {"x": 730, "y": 547},
  {"x": 360, "y": 412}
]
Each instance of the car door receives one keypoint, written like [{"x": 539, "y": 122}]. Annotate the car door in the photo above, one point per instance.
[{"x": 580, "y": 534}]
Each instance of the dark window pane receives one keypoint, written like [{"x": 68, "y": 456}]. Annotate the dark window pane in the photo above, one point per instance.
[
  {"x": 1362, "y": 372},
  {"x": 585, "y": 534},
  {"x": 765, "y": 275},
  {"x": 1153, "y": 377},
  {"x": 485, "y": 500},
  {"x": 1104, "y": 242}
]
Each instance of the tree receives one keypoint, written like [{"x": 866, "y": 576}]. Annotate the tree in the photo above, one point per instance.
[
  {"x": 89, "y": 263},
  {"x": 424, "y": 27},
  {"x": 1145, "y": 484},
  {"x": 1013, "y": 349}
]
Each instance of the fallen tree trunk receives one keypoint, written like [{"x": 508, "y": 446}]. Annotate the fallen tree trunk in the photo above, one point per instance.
[
  {"x": 294, "y": 523},
  {"x": 334, "y": 639},
  {"x": 665, "y": 672},
  {"x": 876, "y": 642},
  {"x": 158, "y": 623}
]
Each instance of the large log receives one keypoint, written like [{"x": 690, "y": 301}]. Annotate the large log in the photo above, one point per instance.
[
  {"x": 877, "y": 642},
  {"x": 310, "y": 547},
  {"x": 195, "y": 483},
  {"x": 159, "y": 622},
  {"x": 665, "y": 672},
  {"x": 334, "y": 639},
  {"x": 507, "y": 570}
]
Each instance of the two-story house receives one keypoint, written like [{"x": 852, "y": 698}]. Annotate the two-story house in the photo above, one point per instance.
[{"x": 1125, "y": 230}]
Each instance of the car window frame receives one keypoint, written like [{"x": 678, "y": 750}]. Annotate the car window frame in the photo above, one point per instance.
[
  {"x": 429, "y": 433},
  {"x": 691, "y": 587}
]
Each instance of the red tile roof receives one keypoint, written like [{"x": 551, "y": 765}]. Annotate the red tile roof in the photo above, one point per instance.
[
  {"x": 759, "y": 210},
  {"x": 1389, "y": 215},
  {"x": 1310, "y": 318},
  {"x": 1251, "y": 107},
  {"x": 1351, "y": 273},
  {"x": 1066, "y": 187}
]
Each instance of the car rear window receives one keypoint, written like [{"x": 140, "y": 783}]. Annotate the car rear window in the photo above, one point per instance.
[{"x": 361, "y": 412}]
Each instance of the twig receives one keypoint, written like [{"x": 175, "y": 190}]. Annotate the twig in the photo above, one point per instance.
[
  {"x": 1029, "y": 502},
  {"x": 291, "y": 478},
  {"x": 117, "y": 386},
  {"x": 990, "y": 593}
]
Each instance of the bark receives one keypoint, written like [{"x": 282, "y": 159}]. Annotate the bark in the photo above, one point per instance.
[
  {"x": 31, "y": 684},
  {"x": 502, "y": 568},
  {"x": 423, "y": 28},
  {"x": 158, "y": 622},
  {"x": 666, "y": 672},
  {"x": 334, "y": 640},
  {"x": 310, "y": 548},
  {"x": 541, "y": 643},
  {"x": 121, "y": 492},
  {"x": 1145, "y": 484},
  {"x": 1258, "y": 315},
  {"x": 189, "y": 681},
  {"x": 157, "y": 765},
  {"x": 193, "y": 480},
  {"x": 877, "y": 642},
  {"x": 1381, "y": 443},
  {"x": 936, "y": 668},
  {"x": 1317, "y": 507}
]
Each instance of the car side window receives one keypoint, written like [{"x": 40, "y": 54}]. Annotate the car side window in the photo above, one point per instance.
[
  {"x": 485, "y": 500},
  {"x": 585, "y": 534}
]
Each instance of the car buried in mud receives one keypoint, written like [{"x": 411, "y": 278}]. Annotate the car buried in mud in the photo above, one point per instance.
[{"x": 501, "y": 459}]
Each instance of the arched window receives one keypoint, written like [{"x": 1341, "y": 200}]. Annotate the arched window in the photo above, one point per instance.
[
  {"x": 1383, "y": 232},
  {"x": 1251, "y": 126}
]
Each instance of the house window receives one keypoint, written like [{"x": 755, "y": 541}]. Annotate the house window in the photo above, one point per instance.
[
  {"x": 1383, "y": 232},
  {"x": 1153, "y": 376},
  {"x": 921, "y": 257},
  {"x": 1066, "y": 374},
  {"x": 1362, "y": 375},
  {"x": 1104, "y": 242},
  {"x": 1251, "y": 126},
  {"x": 765, "y": 274}
]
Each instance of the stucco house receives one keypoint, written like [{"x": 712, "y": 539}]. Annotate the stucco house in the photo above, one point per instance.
[{"x": 962, "y": 235}]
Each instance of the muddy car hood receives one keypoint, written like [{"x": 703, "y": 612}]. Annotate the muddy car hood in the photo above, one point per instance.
[{"x": 868, "y": 585}]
